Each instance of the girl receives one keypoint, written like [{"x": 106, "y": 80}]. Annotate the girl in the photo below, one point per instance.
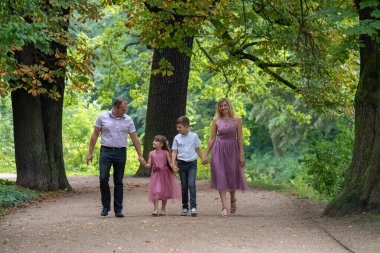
[{"x": 163, "y": 184}]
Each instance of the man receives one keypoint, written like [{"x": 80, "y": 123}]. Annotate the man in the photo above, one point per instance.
[{"x": 114, "y": 125}]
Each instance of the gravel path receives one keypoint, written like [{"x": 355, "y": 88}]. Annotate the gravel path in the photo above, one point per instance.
[{"x": 266, "y": 221}]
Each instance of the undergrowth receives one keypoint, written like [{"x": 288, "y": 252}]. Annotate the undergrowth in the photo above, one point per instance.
[{"x": 11, "y": 195}]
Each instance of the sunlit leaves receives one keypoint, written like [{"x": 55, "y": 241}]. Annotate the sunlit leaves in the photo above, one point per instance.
[
  {"x": 41, "y": 27},
  {"x": 165, "y": 69}
]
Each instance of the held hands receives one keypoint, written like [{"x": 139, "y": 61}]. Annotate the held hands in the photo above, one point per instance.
[
  {"x": 204, "y": 160},
  {"x": 142, "y": 161},
  {"x": 175, "y": 168}
]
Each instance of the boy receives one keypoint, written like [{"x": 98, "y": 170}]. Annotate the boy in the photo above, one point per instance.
[{"x": 186, "y": 149}]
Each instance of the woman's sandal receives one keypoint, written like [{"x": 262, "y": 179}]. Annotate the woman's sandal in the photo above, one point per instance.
[
  {"x": 233, "y": 206},
  {"x": 224, "y": 213},
  {"x": 155, "y": 213}
]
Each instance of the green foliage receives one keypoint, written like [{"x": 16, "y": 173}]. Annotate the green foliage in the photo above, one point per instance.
[
  {"x": 7, "y": 182},
  {"x": 203, "y": 171},
  {"x": 317, "y": 169},
  {"x": 77, "y": 125},
  {"x": 268, "y": 169},
  {"x": 7, "y": 155},
  {"x": 324, "y": 167},
  {"x": 42, "y": 25},
  {"x": 371, "y": 25},
  {"x": 12, "y": 196}
]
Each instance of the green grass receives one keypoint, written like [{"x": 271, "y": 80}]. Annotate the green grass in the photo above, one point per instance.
[
  {"x": 11, "y": 195},
  {"x": 268, "y": 186},
  {"x": 289, "y": 190},
  {"x": 375, "y": 216},
  {"x": 7, "y": 182}
]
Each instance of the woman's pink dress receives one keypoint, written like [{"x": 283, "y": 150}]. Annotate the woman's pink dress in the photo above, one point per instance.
[
  {"x": 163, "y": 184},
  {"x": 226, "y": 172}
]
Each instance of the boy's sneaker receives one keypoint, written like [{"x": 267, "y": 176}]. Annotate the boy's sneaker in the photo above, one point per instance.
[
  {"x": 184, "y": 211},
  {"x": 194, "y": 212}
]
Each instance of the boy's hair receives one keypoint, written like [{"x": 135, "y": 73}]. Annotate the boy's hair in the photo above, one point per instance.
[{"x": 183, "y": 120}]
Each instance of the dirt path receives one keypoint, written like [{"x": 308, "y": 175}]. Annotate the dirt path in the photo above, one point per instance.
[{"x": 266, "y": 221}]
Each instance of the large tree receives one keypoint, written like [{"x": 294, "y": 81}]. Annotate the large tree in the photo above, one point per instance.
[
  {"x": 37, "y": 131},
  {"x": 169, "y": 28},
  {"x": 167, "y": 97},
  {"x": 362, "y": 190},
  {"x": 34, "y": 68}
]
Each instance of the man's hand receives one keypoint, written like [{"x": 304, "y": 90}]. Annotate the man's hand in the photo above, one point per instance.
[
  {"x": 142, "y": 160},
  {"x": 89, "y": 158},
  {"x": 204, "y": 160}
]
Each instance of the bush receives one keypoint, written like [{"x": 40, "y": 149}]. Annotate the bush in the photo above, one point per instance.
[
  {"x": 324, "y": 167},
  {"x": 268, "y": 169}
]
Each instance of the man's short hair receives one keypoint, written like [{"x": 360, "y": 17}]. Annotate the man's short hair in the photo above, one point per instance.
[
  {"x": 183, "y": 120},
  {"x": 119, "y": 101}
]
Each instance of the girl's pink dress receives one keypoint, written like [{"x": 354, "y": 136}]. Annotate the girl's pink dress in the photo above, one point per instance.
[{"x": 163, "y": 184}]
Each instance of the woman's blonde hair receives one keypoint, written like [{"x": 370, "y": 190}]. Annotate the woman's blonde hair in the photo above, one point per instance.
[{"x": 231, "y": 112}]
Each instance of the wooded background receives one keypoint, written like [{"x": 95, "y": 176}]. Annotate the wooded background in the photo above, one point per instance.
[{"x": 303, "y": 76}]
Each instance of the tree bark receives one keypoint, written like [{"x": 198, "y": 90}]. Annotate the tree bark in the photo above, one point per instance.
[
  {"x": 37, "y": 122},
  {"x": 167, "y": 97},
  {"x": 276, "y": 140},
  {"x": 362, "y": 190},
  {"x": 32, "y": 164},
  {"x": 52, "y": 112}
]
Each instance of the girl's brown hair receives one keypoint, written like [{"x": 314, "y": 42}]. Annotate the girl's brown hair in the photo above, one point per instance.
[
  {"x": 165, "y": 146},
  {"x": 164, "y": 141}
]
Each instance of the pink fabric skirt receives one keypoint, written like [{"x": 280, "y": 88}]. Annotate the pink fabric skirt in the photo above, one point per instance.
[
  {"x": 163, "y": 185},
  {"x": 226, "y": 172}
]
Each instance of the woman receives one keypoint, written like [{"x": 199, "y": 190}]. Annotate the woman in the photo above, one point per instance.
[{"x": 227, "y": 158}]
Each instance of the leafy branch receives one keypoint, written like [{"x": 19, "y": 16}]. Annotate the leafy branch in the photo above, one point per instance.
[{"x": 212, "y": 61}]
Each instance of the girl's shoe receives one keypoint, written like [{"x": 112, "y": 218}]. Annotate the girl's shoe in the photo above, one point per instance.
[
  {"x": 233, "y": 206},
  {"x": 224, "y": 212},
  {"x": 155, "y": 213},
  {"x": 162, "y": 213}
]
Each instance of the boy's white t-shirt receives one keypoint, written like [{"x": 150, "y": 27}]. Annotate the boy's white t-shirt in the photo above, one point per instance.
[{"x": 186, "y": 145}]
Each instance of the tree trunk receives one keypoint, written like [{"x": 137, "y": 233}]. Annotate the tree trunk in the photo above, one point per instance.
[
  {"x": 167, "y": 97},
  {"x": 276, "y": 140},
  {"x": 362, "y": 190},
  {"x": 52, "y": 111},
  {"x": 30, "y": 151},
  {"x": 37, "y": 125}
]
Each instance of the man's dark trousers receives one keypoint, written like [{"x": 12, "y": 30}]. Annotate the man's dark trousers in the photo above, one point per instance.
[{"x": 115, "y": 157}]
